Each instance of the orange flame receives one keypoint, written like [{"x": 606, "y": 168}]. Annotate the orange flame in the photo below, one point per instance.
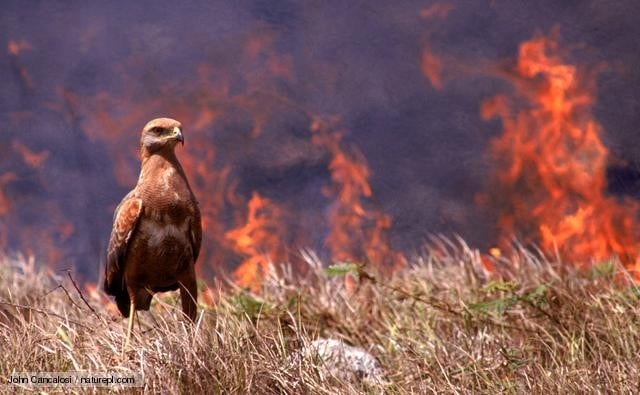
[
  {"x": 356, "y": 233},
  {"x": 49, "y": 238},
  {"x": 29, "y": 157},
  {"x": 211, "y": 184},
  {"x": 431, "y": 67},
  {"x": 5, "y": 203},
  {"x": 255, "y": 230},
  {"x": 552, "y": 181},
  {"x": 259, "y": 240},
  {"x": 14, "y": 47}
]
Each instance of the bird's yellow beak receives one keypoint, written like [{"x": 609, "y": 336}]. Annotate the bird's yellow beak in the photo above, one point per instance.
[{"x": 177, "y": 133}]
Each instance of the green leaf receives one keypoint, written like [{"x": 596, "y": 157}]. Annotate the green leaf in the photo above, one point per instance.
[
  {"x": 495, "y": 306},
  {"x": 602, "y": 269},
  {"x": 63, "y": 335},
  {"x": 499, "y": 285},
  {"x": 538, "y": 294},
  {"x": 342, "y": 269},
  {"x": 249, "y": 304}
]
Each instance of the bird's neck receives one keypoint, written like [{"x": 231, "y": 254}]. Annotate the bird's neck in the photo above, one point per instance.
[
  {"x": 162, "y": 158},
  {"x": 168, "y": 155}
]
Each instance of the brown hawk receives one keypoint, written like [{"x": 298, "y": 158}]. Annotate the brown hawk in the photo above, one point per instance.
[{"x": 157, "y": 232}]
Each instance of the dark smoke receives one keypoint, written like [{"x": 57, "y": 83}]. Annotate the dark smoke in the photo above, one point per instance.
[{"x": 356, "y": 60}]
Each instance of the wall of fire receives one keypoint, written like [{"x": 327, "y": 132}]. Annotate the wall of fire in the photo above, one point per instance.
[{"x": 355, "y": 129}]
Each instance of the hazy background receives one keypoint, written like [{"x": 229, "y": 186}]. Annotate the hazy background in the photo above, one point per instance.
[{"x": 79, "y": 63}]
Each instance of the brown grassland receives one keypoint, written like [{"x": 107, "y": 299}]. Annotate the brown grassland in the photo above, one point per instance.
[{"x": 441, "y": 325}]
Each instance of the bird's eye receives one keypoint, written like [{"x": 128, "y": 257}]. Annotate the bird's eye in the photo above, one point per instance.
[{"x": 156, "y": 130}]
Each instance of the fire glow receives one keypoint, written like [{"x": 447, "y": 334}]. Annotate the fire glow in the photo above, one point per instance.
[
  {"x": 242, "y": 105},
  {"x": 551, "y": 180}
]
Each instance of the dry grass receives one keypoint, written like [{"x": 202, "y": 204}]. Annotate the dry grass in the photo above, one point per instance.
[{"x": 443, "y": 325}]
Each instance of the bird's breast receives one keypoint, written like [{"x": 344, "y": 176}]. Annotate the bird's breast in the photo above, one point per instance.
[
  {"x": 162, "y": 186},
  {"x": 164, "y": 231}
]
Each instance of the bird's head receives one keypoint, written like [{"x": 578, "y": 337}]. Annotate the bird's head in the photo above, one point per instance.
[{"x": 161, "y": 134}]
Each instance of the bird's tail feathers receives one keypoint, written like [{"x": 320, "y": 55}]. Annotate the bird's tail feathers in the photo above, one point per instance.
[{"x": 123, "y": 301}]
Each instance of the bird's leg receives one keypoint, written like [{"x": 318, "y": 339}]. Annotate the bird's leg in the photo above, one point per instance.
[
  {"x": 189, "y": 294},
  {"x": 138, "y": 321},
  {"x": 132, "y": 310}
]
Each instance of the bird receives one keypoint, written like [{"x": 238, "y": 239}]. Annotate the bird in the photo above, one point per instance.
[{"x": 157, "y": 231}]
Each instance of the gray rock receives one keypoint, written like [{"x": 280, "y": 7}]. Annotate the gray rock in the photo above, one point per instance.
[{"x": 344, "y": 362}]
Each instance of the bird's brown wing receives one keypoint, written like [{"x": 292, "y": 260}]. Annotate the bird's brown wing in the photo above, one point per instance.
[
  {"x": 125, "y": 219},
  {"x": 196, "y": 233}
]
